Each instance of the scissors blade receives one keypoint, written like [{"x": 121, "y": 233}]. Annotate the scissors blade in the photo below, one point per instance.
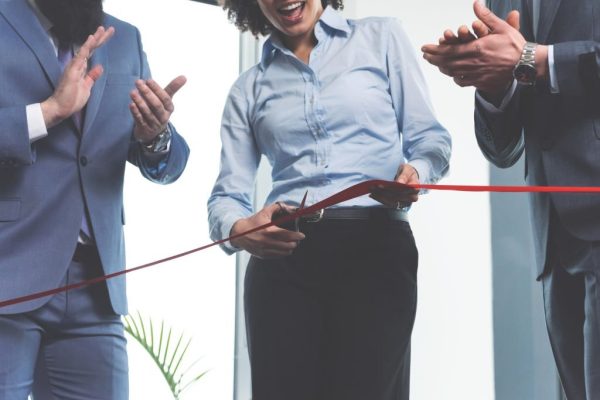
[{"x": 300, "y": 208}]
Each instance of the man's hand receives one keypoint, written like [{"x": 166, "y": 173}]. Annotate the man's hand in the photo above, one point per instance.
[
  {"x": 396, "y": 197},
  {"x": 487, "y": 62},
  {"x": 152, "y": 107},
  {"x": 272, "y": 242},
  {"x": 75, "y": 86}
]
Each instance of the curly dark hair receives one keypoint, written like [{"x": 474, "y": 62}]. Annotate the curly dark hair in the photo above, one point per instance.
[{"x": 247, "y": 15}]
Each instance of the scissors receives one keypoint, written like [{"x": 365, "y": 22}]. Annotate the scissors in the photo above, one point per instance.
[{"x": 292, "y": 225}]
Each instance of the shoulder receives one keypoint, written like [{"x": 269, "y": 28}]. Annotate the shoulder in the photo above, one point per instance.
[
  {"x": 244, "y": 84},
  {"x": 122, "y": 28},
  {"x": 374, "y": 25}
]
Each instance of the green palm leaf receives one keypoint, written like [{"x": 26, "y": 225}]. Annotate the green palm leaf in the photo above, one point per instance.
[{"x": 168, "y": 361}]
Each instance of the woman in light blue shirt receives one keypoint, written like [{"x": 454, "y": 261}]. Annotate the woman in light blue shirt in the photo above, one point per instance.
[{"x": 333, "y": 102}]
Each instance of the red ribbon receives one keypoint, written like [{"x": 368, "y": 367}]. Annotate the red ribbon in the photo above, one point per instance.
[{"x": 352, "y": 192}]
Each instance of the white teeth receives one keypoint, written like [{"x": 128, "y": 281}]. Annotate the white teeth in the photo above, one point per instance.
[{"x": 292, "y": 6}]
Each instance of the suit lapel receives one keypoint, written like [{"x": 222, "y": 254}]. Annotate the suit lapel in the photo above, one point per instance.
[
  {"x": 548, "y": 11},
  {"x": 21, "y": 17},
  {"x": 100, "y": 56}
]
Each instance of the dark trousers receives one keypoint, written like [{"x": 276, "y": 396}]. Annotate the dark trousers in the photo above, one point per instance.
[
  {"x": 333, "y": 321},
  {"x": 72, "y": 348},
  {"x": 572, "y": 304}
]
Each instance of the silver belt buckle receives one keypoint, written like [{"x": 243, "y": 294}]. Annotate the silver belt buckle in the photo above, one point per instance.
[{"x": 314, "y": 217}]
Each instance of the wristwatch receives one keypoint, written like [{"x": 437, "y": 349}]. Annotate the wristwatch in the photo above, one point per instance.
[
  {"x": 160, "y": 143},
  {"x": 525, "y": 71}
]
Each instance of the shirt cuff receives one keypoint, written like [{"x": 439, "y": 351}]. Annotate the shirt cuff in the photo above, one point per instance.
[
  {"x": 554, "y": 88},
  {"x": 423, "y": 169},
  {"x": 35, "y": 122},
  {"x": 226, "y": 227},
  {"x": 491, "y": 108}
]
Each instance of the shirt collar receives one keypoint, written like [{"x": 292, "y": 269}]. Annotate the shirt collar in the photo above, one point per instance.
[
  {"x": 46, "y": 24},
  {"x": 334, "y": 19},
  {"x": 330, "y": 18}
]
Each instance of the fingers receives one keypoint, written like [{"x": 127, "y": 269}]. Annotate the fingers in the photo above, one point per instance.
[
  {"x": 156, "y": 106},
  {"x": 465, "y": 35},
  {"x": 449, "y": 38},
  {"x": 150, "y": 120},
  {"x": 488, "y": 17},
  {"x": 162, "y": 96},
  {"x": 137, "y": 116},
  {"x": 175, "y": 85},
  {"x": 514, "y": 19},
  {"x": 480, "y": 29},
  {"x": 92, "y": 76},
  {"x": 451, "y": 51}
]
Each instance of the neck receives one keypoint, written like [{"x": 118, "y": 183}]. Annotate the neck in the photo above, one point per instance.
[{"x": 303, "y": 44}]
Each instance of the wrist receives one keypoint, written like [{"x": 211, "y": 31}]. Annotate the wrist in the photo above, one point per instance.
[
  {"x": 51, "y": 112},
  {"x": 236, "y": 229}
]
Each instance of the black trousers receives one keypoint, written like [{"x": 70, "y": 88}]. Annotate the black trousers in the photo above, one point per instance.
[{"x": 333, "y": 321}]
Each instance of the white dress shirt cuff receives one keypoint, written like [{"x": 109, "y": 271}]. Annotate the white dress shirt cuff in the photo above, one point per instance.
[
  {"x": 554, "y": 88},
  {"x": 35, "y": 122},
  {"x": 491, "y": 107}
]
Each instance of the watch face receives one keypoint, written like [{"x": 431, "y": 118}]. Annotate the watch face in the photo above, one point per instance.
[{"x": 525, "y": 74}]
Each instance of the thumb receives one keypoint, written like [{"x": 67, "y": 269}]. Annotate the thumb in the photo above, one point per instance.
[
  {"x": 175, "y": 85},
  {"x": 488, "y": 17},
  {"x": 513, "y": 19}
]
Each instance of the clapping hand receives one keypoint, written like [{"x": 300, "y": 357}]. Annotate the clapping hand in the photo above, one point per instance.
[
  {"x": 75, "y": 86},
  {"x": 485, "y": 59},
  {"x": 152, "y": 107}
]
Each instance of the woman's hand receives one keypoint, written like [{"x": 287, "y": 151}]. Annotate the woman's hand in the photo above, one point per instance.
[
  {"x": 267, "y": 243},
  {"x": 399, "y": 197}
]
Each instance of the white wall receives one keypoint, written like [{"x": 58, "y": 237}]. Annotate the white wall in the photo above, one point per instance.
[
  {"x": 196, "y": 294},
  {"x": 452, "y": 339}
]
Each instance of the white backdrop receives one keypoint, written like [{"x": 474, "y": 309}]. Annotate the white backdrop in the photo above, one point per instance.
[{"x": 195, "y": 294}]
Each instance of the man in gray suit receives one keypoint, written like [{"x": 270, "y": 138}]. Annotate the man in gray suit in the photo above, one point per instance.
[
  {"x": 76, "y": 103},
  {"x": 538, "y": 92}
]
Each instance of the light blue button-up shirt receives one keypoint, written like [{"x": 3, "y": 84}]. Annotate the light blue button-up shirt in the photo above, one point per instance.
[{"x": 357, "y": 111}]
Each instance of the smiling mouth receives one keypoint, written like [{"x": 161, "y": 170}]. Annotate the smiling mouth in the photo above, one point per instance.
[{"x": 292, "y": 11}]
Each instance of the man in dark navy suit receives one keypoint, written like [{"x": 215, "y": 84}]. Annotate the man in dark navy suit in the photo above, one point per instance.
[{"x": 537, "y": 76}]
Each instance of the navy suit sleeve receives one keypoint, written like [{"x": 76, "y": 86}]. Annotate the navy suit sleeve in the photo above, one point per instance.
[
  {"x": 577, "y": 67},
  {"x": 15, "y": 149},
  {"x": 500, "y": 134},
  {"x": 171, "y": 166}
]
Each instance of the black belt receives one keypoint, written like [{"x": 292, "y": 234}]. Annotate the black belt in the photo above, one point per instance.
[
  {"x": 356, "y": 213},
  {"x": 85, "y": 253}
]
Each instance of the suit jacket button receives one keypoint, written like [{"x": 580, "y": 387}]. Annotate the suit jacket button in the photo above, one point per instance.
[{"x": 83, "y": 161}]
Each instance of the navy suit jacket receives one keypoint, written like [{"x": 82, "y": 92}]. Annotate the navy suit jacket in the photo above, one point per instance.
[
  {"x": 559, "y": 133},
  {"x": 46, "y": 186}
]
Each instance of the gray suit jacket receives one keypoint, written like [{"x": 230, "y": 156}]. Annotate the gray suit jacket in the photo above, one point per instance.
[
  {"x": 559, "y": 133},
  {"x": 46, "y": 186}
]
